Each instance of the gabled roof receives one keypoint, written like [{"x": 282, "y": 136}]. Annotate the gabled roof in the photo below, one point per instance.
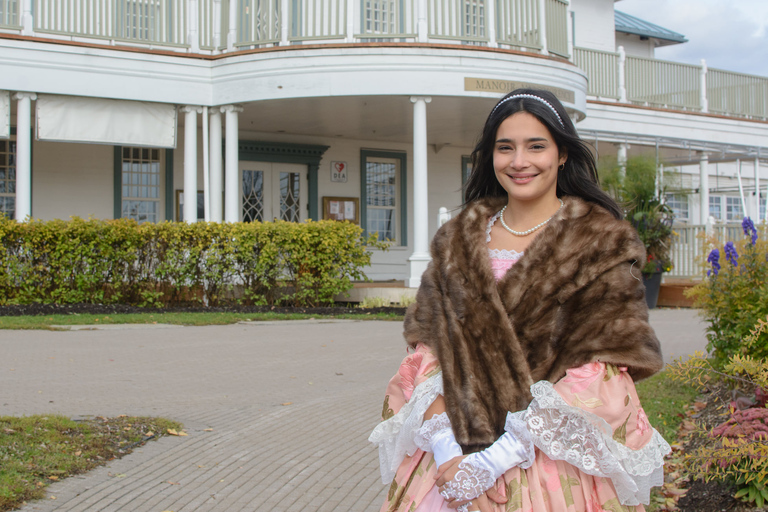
[{"x": 631, "y": 25}]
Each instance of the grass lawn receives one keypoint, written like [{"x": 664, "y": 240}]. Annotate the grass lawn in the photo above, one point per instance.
[
  {"x": 663, "y": 400},
  {"x": 38, "y": 450},
  {"x": 195, "y": 318}
]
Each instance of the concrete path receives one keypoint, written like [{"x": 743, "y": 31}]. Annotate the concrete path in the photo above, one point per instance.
[{"x": 278, "y": 413}]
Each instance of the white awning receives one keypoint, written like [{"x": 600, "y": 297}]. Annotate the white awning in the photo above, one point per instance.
[
  {"x": 5, "y": 115},
  {"x": 103, "y": 121}
]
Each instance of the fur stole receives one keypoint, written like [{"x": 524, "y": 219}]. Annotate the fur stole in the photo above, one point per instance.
[{"x": 576, "y": 296}]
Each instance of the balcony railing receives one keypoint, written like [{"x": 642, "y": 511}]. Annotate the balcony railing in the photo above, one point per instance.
[
  {"x": 221, "y": 25},
  {"x": 674, "y": 85}
]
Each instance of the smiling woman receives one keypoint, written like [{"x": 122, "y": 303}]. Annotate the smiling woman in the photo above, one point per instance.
[{"x": 527, "y": 336}]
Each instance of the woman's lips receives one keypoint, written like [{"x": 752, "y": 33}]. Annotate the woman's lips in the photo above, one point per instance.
[{"x": 522, "y": 178}]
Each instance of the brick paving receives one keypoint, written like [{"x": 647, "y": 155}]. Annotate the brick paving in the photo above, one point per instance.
[{"x": 278, "y": 413}]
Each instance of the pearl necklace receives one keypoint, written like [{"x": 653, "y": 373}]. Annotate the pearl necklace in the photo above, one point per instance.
[{"x": 529, "y": 231}]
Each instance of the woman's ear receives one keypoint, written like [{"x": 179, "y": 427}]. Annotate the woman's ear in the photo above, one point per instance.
[{"x": 563, "y": 157}]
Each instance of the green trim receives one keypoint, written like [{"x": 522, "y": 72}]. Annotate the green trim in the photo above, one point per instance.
[
  {"x": 465, "y": 162},
  {"x": 402, "y": 157},
  {"x": 169, "y": 206},
  {"x": 117, "y": 196},
  {"x": 286, "y": 152}
]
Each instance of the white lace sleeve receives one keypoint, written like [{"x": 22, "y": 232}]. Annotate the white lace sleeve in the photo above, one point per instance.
[
  {"x": 585, "y": 441},
  {"x": 396, "y": 436},
  {"x": 517, "y": 427}
]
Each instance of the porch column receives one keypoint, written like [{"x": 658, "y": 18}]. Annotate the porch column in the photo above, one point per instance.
[
  {"x": 27, "y": 21},
  {"x": 216, "y": 184},
  {"x": 704, "y": 189},
  {"x": 193, "y": 36},
  {"x": 216, "y": 20},
  {"x": 621, "y": 158},
  {"x": 420, "y": 257},
  {"x": 232, "y": 34},
  {"x": 703, "y": 87},
  {"x": 756, "y": 202},
  {"x": 622, "y": 75},
  {"x": 422, "y": 23},
  {"x": 543, "y": 26},
  {"x": 24, "y": 154},
  {"x": 231, "y": 157},
  {"x": 190, "y": 162}
]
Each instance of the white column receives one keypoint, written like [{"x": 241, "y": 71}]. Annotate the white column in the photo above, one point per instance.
[
  {"x": 621, "y": 158},
  {"x": 216, "y": 20},
  {"x": 206, "y": 167},
  {"x": 351, "y": 17},
  {"x": 543, "y": 26},
  {"x": 232, "y": 34},
  {"x": 24, "y": 154},
  {"x": 703, "y": 87},
  {"x": 190, "y": 162},
  {"x": 704, "y": 189},
  {"x": 490, "y": 24},
  {"x": 217, "y": 188},
  {"x": 193, "y": 36},
  {"x": 756, "y": 217},
  {"x": 622, "y": 75},
  {"x": 422, "y": 25},
  {"x": 231, "y": 159},
  {"x": 420, "y": 257},
  {"x": 27, "y": 21},
  {"x": 284, "y": 21}
]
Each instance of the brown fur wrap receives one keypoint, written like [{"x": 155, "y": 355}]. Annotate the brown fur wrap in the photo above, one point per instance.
[{"x": 573, "y": 298}]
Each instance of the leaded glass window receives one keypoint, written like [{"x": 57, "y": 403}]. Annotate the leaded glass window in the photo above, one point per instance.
[
  {"x": 141, "y": 184},
  {"x": 8, "y": 178}
]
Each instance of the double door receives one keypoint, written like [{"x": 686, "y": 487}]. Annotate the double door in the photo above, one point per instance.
[{"x": 273, "y": 191}]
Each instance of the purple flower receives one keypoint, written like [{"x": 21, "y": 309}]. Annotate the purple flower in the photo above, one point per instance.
[
  {"x": 714, "y": 259},
  {"x": 749, "y": 229},
  {"x": 731, "y": 254}
]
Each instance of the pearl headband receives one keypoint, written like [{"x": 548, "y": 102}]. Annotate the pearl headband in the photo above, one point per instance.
[{"x": 548, "y": 104}]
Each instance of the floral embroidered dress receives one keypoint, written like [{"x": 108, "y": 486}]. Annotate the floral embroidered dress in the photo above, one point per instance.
[{"x": 589, "y": 439}]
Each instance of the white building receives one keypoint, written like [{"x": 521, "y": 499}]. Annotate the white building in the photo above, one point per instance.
[{"x": 299, "y": 109}]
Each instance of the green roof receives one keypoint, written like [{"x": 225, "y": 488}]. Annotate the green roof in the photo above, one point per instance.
[{"x": 631, "y": 25}]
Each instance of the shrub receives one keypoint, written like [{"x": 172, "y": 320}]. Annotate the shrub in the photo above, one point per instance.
[
  {"x": 736, "y": 449},
  {"x": 734, "y": 294},
  {"x": 170, "y": 263}
]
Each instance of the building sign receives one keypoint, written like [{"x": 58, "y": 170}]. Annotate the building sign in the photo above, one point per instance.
[
  {"x": 505, "y": 86},
  {"x": 339, "y": 171}
]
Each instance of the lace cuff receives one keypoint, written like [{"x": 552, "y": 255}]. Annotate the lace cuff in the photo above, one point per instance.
[
  {"x": 585, "y": 441},
  {"x": 518, "y": 428},
  {"x": 396, "y": 436}
]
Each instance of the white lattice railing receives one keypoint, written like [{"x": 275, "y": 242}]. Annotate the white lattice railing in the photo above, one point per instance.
[
  {"x": 10, "y": 15},
  {"x": 153, "y": 22}
]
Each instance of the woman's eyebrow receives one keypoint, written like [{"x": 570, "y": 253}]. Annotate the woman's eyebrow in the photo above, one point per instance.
[{"x": 532, "y": 139}]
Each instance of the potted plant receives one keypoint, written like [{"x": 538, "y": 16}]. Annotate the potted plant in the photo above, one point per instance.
[{"x": 634, "y": 187}]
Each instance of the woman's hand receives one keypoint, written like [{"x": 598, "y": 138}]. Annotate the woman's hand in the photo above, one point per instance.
[
  {"x": 447, "y": 471},
  {"x": 483, "y": 503}
]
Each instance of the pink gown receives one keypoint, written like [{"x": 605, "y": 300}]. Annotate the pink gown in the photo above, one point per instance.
[{"x": 589, "y": 439}]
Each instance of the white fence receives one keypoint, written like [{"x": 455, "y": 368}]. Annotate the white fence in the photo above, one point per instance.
[{"x": 689, "y": 252}]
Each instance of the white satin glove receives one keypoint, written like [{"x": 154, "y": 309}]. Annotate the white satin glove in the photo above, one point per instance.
[
  {"x": 479, "y": 471},
  {"x": 436, "y": 436}
]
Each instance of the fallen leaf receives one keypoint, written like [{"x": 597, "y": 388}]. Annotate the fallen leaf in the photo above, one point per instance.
[
  {"x": 207, "y": 430},
  {"x": 173, "y": 432},
  {"x": 53, "y": 478},
  {"x": 53, "y": 497},
  {"x": 286, "y": 403},
  {"x": 78, "y": 453},
  {"x": 149, "y": 434}
]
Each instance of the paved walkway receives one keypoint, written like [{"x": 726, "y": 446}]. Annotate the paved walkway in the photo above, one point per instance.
[{"x": 278, "y": 413}]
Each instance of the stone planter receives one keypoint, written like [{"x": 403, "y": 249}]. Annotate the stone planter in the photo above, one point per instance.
[{"x": 652, "y": 284}]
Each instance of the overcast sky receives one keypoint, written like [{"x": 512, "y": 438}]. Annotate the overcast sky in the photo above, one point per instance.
[{"x": 729, "y": 34}]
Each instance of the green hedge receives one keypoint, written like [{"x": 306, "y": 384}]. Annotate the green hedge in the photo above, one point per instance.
[{"x": 120, "y": 261}]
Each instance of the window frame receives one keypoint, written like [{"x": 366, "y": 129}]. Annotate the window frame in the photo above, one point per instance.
[
  {"x": 402, "y": 208},
  {"x": 166, "y": 197},
  {"x": 10, "y": 141}
]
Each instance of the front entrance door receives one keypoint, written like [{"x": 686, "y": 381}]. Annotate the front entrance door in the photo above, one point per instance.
[{"x": 273, "y": 191}]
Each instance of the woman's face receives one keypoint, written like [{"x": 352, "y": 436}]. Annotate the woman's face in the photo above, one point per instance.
[{"x": 526, "y": 158}]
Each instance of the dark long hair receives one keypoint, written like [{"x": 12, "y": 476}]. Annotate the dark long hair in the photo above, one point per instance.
[{"x": 577, "y": 178}]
